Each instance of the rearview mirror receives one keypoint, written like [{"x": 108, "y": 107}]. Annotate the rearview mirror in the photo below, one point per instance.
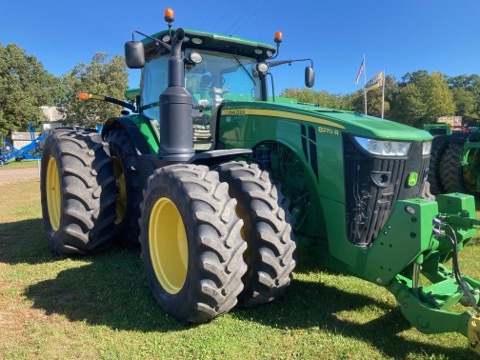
[
  {"x": 134, "y": 54},
  {"x": 309, "y": 76}
]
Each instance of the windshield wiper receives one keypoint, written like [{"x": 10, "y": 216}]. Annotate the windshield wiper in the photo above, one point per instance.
[{"x": 244, "y": 68}]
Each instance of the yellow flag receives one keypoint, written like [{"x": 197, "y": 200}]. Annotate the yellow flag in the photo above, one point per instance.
[{"x": 375, "y": 82}]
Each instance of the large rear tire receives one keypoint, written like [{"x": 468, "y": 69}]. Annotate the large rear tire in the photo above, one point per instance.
[
  {"x": 439, "y": 145},
  {"x": 267, "y": 230},
  {"x": 453, "y": 171},
  {"x": 191, "y": 243},
  {"x": 129, "y": 188},
  {"x": 77, "y": 192}
]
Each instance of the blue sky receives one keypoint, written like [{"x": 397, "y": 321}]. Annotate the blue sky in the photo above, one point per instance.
[{"x": 399, "y": 36}]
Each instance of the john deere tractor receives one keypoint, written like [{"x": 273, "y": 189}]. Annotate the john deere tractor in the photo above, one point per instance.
[
  {"x": 220, "y": 181},
  {"x": 455, "y": 158}
]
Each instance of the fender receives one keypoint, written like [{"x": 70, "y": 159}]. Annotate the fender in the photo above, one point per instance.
[
  {"x": 461, "y": 137},
  {"x": 212, "y": 157},
  {"x": 137, "y": 137}
]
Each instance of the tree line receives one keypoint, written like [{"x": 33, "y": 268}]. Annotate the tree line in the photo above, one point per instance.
[
  {"x": 25, "y": 86},
  {"x": 419, "y": 98}
]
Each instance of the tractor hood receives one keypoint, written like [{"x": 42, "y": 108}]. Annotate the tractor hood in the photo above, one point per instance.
[{"x": 356, "y": 123}]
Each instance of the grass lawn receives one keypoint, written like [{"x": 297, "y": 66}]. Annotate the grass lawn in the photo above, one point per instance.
[
  {"x": 20, "y": 164},
  {"x": 99, "y": 307}
]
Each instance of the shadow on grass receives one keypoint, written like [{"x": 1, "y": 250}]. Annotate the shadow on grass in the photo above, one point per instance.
[
  {"x": 321, "y": 308},
  {"x": 24, "y": 242},
  {"x": 313, "y": 305},
  {"x": 112, "y": 291}
]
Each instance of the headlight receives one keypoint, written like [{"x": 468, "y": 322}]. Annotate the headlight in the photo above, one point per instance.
[
  {"x": 384, "y": 147},
  {"x": 262, "y": 67},
  {"x": 195, "y": 57},
  {"x": 426, "y": 147}
]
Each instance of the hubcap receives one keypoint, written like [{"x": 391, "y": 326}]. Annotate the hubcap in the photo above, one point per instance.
[
  {"x": 167, "y": 242},
  {"x": 52, "y": 190}
]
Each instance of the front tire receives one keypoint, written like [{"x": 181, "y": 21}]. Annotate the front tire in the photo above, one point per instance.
[
  {"x": 191, "y": 243},
  {"x": 267, "y": 229},
  {"x": 77, "y": 192}
]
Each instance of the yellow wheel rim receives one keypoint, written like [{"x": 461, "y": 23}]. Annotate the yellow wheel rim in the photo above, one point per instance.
[
  {"x": 52, "y": 190},
  {"x": 121, "y": 204},
  {"x": 167, "y": 241}
]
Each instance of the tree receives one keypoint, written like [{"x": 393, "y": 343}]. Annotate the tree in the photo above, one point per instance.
[
  {"x": 321, "y": 98},
  {"x": 436, "y": 96},
  {"x": 409, "y": 106},
  {"x": 422, "y": 98},
  {"x": 358, "y": 102},
  {"x": 100, "y": 77},
  {"x": 466, "y": 94},
  {"x": 418, "y": 99},
  {"x": 374, "y": 99},
  {"x": 374, "y": 102},
  {"x": 467, "y": 82},
  {"x": 391, "y": 90},
  {"x": 465, "y": 102},
  {"x": 414, "y": 77},
  {"x": 303, "y": 95},
  {"x": 24, "y": 86}
]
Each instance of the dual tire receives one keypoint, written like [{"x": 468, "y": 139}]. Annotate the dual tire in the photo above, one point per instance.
[
  {"x": 78, "y": 192},
  {"x": 210, "y": 238},
  {"x": 267, "y": 231},
  {"x": 128, "y": 184},
  {"x": 439, "y": 145},
  {"x": 456, "y": 177},
  {"x": 214, "y": 238},
  {"x": 446, "y": 173}
]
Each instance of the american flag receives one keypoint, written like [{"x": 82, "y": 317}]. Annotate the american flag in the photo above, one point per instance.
[{"x": 360, "y": 70}]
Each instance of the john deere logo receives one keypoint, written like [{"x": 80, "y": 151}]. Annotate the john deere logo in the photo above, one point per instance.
[{"x": 412, "y": 179}]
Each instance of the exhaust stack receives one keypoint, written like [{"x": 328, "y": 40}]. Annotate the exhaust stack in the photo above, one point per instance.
[{"x": 176, "y": 131}]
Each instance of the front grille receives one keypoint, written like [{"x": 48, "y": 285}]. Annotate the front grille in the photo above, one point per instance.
[{"x": 373, "y": 185}]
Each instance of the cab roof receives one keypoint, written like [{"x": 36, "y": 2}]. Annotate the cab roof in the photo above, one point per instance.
[{"x": 212, "y": 41}]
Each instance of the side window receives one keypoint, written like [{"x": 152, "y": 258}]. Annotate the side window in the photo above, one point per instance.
[{"x": 154, "y": 82}]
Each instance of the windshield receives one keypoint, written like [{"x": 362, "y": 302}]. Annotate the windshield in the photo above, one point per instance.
[{"x": 218, "y": 77}]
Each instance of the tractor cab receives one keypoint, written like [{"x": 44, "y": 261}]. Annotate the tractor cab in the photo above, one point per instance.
[
  {"x": 211, "y": 76},
  {"x": 216, "y": 69},
  {"x": 216, "y": 78}
]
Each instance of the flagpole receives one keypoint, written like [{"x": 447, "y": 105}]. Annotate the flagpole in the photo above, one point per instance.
[
  {"x": 383, "y": 92},
  {"x": 364, "y": 84}
]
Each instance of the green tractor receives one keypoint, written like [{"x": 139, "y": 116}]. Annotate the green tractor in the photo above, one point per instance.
[
  {"x": 455, "y": 159},
  {"x": 220, "y": 182}
]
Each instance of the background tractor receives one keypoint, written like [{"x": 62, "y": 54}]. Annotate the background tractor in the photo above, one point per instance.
[
  {"x": 220, "y": 181},
  {"x": 455, "y": 157}
]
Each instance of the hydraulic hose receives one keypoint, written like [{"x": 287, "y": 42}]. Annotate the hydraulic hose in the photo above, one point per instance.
[{"x": 455, "y": 264}]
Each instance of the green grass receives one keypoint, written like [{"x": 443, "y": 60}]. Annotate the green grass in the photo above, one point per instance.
[
  {"x": 100, "y": 307},
  {"x": 19, "y": 164}
]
